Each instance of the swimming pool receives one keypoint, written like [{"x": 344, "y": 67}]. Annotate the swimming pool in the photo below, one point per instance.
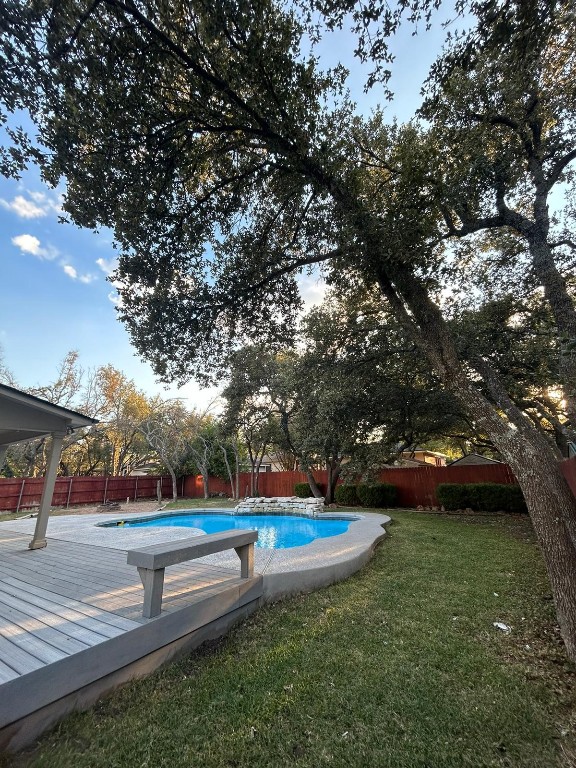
[{"x": 274, "y": 531}]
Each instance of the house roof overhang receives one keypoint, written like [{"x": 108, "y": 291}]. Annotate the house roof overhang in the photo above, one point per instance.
[{"x": 24, "y": 416}]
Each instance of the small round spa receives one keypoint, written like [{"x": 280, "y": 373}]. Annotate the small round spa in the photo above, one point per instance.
[{"x": 274, "y": 531}]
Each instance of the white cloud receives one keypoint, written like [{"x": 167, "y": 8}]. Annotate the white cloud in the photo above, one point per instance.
[
  {"x": 27, "y": 244},
  {"x": 47, "y": 202},
  {"x": 72, "y": 273},
  {"x": 31, "y": 244},
  {"x": 107, "y": 265},
  {"x": 23, "y": 208}
]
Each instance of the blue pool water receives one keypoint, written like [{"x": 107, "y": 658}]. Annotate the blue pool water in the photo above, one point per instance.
[{"x": 274, "y": 531}]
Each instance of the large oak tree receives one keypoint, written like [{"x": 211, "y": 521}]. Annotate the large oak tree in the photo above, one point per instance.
[{"x": 225, "y": 161}]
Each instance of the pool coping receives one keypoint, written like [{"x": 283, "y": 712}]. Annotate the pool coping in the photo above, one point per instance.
[{"x": 285, "y": 571}]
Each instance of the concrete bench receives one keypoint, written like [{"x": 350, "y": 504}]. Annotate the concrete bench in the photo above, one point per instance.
[{"x": 151, "y": 561}]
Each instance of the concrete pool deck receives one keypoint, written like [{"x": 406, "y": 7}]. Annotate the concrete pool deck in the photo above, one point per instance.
[{"x": 285, "y": 571}]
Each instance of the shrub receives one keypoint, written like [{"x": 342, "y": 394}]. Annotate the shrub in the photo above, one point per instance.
[
  {"x": 497, "y": 497},
  {"x": 377, "y": 495},
  {"x": 486, "y": 497},
  {"x": 453, "y": 496},
  {"x": 515, "y": 501},
  {"x": 346, "y": 496},
  {"x": 482, "y": 497},
  {"x": 302, "y": 490}
]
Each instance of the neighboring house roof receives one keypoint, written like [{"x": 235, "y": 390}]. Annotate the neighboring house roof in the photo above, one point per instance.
[
  {"x": 474, "y": 458},
  {"x": 427, "y": 452},
  {"x": 420, "y": 457},
  {"x": 24, "y": 416}
]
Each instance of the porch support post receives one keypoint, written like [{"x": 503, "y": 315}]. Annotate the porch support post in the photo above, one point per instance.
[
  {"x": 39, "y": 539},
  {"x": 3, "y": 452}
]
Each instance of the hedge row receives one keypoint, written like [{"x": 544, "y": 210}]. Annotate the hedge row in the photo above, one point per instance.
[
  {"x": 481, "y": 497},
  {"x": 375, "y": 495}
]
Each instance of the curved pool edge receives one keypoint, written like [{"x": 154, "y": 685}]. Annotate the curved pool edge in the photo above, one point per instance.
[
  {"x": 158, "y": 515},
  {"x": 295, "y": 570},
  {"x": 285, "y": 571},
  {"x": 318, "y": 565}
]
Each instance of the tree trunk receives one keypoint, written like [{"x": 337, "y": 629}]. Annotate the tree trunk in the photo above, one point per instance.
[
  {"x": 316, "y": 492},
  {"x": 257, "y": 476},
  {"x": 551, "y": 504},
  {"x": 333, "y": 475},
  {"x": 229, "y": 472},
  {"x": 174, "y": 484},
  {"x": 562, "y": 307},
  {"x": 259, "y": 457},
  {"x": 252, "y": 465}
]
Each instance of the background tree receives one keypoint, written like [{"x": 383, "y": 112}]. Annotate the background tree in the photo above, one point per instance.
[
  {"x": 6, "y": 375},
  {"x": 201, "y": 454},
  {"x": 122, "y": 410},
  {"x": 165, "y": 431},
  {"x": 250, "y": 413}
]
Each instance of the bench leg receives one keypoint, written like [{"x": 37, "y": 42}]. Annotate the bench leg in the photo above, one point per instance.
[
  {"x": 246, "y": 555},
  {"x": 153, "y": 582}
]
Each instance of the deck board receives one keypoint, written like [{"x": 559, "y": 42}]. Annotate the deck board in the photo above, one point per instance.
[
  {"x": 126, "y": 597},
  {"x": 68, "y": 598},
  {"x": 56, "y": 628},
  {"x": 66, "y": 602},
  {"x": 17, "y": 657},
  {"x": 6, "y": 673}
]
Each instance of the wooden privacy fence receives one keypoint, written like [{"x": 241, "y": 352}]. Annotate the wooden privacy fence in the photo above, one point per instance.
[
  {"x": 18, "y": 493},
  {"x": 416, "y": 485},
  {"x": 269, "y": 484}
]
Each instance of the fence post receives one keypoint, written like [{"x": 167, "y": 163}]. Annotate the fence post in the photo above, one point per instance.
[
  {"x": 136, "y": 488},
  {"x": 21, "y": 492},
  {"x": 69, "y": 492},
  {"x": 105, "y": 489}
]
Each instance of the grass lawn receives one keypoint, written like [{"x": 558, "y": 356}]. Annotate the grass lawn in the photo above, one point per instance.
[
  {"x": 398, "y": 666},
  {"x": 216, "y": 503}
]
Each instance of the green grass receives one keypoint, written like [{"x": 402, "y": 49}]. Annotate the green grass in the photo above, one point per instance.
[
  {"x": 216, "y": 503},
  {"x": 398, "y": 666}
]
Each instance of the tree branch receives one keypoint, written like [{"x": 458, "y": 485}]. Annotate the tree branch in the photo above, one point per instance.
[
  {"x": 278, "y": 273},
  {"x": 570, "y": 243},
  {"x": 558, "y": 167}
]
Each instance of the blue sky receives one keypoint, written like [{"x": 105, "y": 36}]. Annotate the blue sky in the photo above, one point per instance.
[{"x": 54, "y": 296}]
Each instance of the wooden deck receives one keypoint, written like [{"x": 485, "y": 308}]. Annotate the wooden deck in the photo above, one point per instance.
[{"x": 71, "y": 615}]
